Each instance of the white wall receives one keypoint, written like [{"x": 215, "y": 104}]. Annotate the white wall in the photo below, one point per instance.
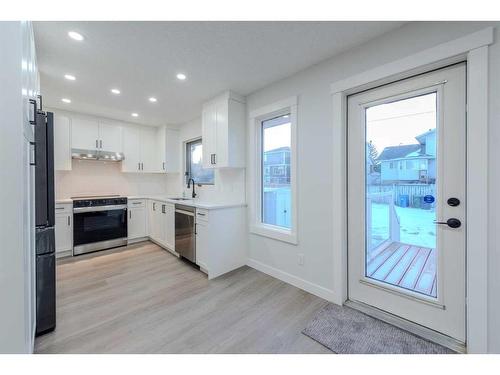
[
  {"x": 90, "y": 177},
  {"x": 229, "y": 183},
  {"x": 315, "y": 164}
]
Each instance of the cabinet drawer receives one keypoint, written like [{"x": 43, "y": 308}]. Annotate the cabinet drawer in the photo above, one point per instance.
[
  {"x": 135, "y": 203},
  {"x": 64, "y": 208},
  {"x": 201, "y": 214}
]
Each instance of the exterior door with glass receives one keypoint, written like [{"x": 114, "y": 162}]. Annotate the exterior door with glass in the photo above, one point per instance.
[{"x": 406, "y": 199}]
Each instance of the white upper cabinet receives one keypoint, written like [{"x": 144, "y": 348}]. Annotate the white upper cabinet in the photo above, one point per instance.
[
  {"x": 168, "y": 150},
  {"x": 62, "y": 143},
  {"x": 131, "y": 149},
  {"x": 110, "y": 137},
  {"x": 84, "y": 134},
  {"x": 209, "y": 134},
  {"x": 144, "y": 149},
  {"x": 149, "y": 156},
  {"x": 223, "y": 132},
  {"x": 90, "y": 134}
]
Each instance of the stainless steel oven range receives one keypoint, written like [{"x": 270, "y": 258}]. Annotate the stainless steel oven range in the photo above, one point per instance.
[{"x": 99, "y": 223}]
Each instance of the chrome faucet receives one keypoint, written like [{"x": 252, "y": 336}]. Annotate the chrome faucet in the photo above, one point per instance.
[{"x": 189, "y": 185}]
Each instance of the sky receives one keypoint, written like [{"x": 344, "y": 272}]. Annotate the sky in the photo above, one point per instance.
[
  {"x": 400, "y": 122},
  {"x": 277, "y": 136}
]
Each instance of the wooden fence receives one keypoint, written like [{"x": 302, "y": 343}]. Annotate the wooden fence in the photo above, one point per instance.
[{"x": 411, "y": 190}]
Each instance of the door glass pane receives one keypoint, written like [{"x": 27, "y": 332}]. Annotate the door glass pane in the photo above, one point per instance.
[
  {"x": 400, "y": 194},
  {"x": 275, "y": 163}
]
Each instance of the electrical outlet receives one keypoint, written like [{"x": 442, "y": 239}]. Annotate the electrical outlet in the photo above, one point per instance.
[{"x": 301, "y": 259}]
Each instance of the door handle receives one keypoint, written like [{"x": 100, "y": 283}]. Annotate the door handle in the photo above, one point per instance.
[
  {"x": 163, "y": 165},
  {"x": 100, "y": 144},
  {"x": 130, "y": 214},
  {"x": 69, "y": 221},
  {"x": 452, "y": 222},
  {"x": 96, "y": 143}
]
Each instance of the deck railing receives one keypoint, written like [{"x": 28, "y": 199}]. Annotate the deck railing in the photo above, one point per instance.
[{"x": 385, "y": 197}]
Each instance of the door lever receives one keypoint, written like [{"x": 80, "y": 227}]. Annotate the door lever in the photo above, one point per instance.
[{"x": 452, "y": 222}]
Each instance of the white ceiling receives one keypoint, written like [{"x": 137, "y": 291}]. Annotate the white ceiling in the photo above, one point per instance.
[{"x": 142, "y": 59}]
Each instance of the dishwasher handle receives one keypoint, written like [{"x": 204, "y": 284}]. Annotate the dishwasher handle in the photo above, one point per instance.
[{"x": 177, "y": 210}]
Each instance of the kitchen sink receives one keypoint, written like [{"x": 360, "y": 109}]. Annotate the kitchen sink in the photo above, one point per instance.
[{"x": 180, "y": 199}]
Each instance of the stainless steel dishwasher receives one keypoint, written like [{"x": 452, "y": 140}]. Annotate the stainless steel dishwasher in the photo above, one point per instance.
[{"x": 185, "y": 237}]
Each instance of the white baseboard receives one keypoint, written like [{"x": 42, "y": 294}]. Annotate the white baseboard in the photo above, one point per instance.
[{"x": 312, "y": 288}]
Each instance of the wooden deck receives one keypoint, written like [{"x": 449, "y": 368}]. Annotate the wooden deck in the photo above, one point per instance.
[{"x": 408, "y": 266}]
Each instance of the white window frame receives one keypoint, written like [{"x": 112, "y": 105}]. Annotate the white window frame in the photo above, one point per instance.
[{"x": 256, "y": 117}]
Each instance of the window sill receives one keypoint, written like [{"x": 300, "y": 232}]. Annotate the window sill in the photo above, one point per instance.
[{"x": 275, "y": 233}]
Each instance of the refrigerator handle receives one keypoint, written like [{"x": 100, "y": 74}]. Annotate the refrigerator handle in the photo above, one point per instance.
[
  {"x": 34, "y": 154},
  {"x": 33, "y": 120}
]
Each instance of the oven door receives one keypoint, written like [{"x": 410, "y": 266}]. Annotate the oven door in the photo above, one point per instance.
[{"x": 105, "y": 227}]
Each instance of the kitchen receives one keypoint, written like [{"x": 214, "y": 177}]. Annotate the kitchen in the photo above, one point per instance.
[{"x": 133, "y": 188}]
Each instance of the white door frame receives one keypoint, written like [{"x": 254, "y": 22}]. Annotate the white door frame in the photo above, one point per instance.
[{"x": 473, "y": 49}]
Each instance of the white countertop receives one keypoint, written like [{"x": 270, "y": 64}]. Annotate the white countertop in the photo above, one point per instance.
[{"x": 168, "y": 199}]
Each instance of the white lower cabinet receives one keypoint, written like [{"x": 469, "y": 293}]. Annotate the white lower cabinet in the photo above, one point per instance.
[
  {"x": 136, "y": 227},
  {"x": 220, "y": 240},
  {"x": 169, "y": 226},
  {"x": 202, "y": 245},
  {"x": 153, "y": 220},
  {"x": 64, "y": 229},
  {"x": 161, "y": 223}
]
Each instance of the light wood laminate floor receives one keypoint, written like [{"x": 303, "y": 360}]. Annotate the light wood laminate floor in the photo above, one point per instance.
[{"x": 142, "y": 299}]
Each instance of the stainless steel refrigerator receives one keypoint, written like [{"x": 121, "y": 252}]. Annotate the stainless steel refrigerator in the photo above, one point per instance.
[{"x": 45, "y": 221}]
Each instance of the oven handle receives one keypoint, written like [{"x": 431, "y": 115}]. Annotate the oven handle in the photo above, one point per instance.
[{"x": 80, "y": 210}]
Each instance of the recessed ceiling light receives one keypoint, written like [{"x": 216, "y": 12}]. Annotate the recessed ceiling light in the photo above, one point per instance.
[
  {"x": 115, "y": 91},
  {"x": 76, "y": 36},
  {"x": 153, "y": 99},
  {"x": 66, "y": 100},
  {"x": 135, "y": 114},
  {"x": 181, "y": 76},
  {"x": 69, "y": 77}
]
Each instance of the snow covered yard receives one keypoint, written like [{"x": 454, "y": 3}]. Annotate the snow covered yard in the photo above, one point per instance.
[{"x": 417, "y": 226}]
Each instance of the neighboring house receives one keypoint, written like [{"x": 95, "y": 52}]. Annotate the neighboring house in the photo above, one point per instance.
[
  {"x": 277, "y": 167},
  {"x": 276, "y": 180},
  {"x": 410, "y": 163}
]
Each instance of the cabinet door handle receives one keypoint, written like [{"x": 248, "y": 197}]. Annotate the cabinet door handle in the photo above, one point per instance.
[
  {"x": 96, "y": 143},
  {"x": 130, "y": 214},
  {"x": 33, "y": 121},
  {"x": 100, "y": 144},
  {"x": 215, "y": 158},
  {"x": 163, "y": 165},
  {"x": 142, "y": 166},
  {"x": 154, "y": 206},
  {"x": 138, "y": 166},
  {"x": 69, "y": 220}
]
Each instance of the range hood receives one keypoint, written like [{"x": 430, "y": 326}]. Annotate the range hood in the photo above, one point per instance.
[{"x": 96, "y": 155}]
